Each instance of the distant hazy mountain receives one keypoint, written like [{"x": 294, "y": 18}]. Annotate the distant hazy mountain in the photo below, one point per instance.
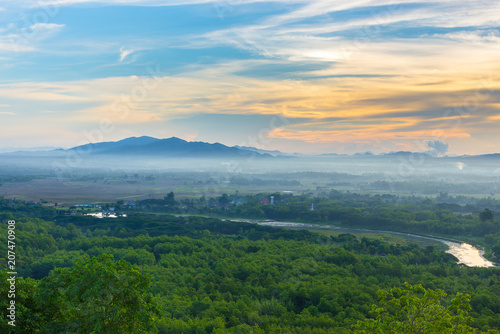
[
  {"x": 406, "y": 153},
  {"x": 27, "y": 149},
  {"x": 170, "y": 147},
  {"x": 492, "y": 156},
  {"x": 330, "y": 154},
  {"x": 258, "y": 150},
  {"x": 483, "y": 158},
  {"x": 488, "y": 156}
]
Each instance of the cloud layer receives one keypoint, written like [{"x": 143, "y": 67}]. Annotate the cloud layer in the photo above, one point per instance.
[{"x": 347, "y": 75}]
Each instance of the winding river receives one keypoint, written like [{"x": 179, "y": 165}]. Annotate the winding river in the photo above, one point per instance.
[{"x": 465, "y": 253}]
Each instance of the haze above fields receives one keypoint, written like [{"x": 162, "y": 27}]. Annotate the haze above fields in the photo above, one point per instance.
[
  {"x": 145, "y": 166},
  {"x": 175, "y": 154}
]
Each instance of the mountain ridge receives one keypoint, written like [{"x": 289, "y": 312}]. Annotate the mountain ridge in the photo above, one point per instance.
[
  {"x": 168, "y": 147},
  {"x": 177, "y": 147}
]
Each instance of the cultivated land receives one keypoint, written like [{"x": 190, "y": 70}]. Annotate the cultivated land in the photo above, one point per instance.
[
  {"x": 95, "y": 186},
  {"x": 110, "y": 189}
]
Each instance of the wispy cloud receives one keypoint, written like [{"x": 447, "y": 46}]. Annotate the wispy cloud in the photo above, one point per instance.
[
  {"x": 25, "y": 39},
  {"x": 287, "y": 35},
  {"x": 14, "y": 43},
  {"x": 478, "y": 36},
  {"x": 36, "y": 3},
  {"x": 333, "y": 110},
  {"x": 124, "y": 53},
  {"x": 42, "y": 27}
]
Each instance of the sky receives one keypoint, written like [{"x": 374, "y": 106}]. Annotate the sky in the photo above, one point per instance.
[{"x": 308, "y": 76}]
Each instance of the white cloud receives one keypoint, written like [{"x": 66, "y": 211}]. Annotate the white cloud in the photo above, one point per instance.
[
  {"x": 14, "y": 43},
  {"x": 4, "y": 105},
  {"x": 297, "y": 35},
  {"x": 55, "y": 92},
  {"x": 6, "y": 113},
  {"x": 124, "y": 53},
  {"x": 478, "y": 36},
  {"x": 39, "y": 27},
  {"x": 25, "y": 39},
  {"x": 36, "y": 3}
]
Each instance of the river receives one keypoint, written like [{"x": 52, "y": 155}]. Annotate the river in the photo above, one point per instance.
[
  {"x": 105, "y": 215},
  {"x": 468, "y": 254},
  {"x": 465, "y": 253}
]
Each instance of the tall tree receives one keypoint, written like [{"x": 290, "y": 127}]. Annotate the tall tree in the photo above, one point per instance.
[
  {"x": 486, "y": 215},
  {"x": 21, "y": 302},
  {"x": 170, "y": 198},
  {"x": 414, "y": 309},
  {"x": 97, "y": 295}
]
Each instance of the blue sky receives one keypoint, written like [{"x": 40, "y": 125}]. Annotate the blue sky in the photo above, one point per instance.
[{"x": 308, "y": 76}]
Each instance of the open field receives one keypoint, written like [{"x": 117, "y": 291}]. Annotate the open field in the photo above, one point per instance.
[
  {"x": 69, "y": 192},
  {"x": 98, "y": 186}
]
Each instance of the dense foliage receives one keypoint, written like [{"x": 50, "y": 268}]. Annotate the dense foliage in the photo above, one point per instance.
[
  {"x": 460, "y": 217},
  {"x": 414, "y": 309},
  {"x": 212, "y": 276}
]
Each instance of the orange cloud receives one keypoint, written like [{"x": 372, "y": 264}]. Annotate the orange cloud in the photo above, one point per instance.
[{"x": 366, "y": 135}]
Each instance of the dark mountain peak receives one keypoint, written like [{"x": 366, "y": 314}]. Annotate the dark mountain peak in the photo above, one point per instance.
[
  {"x": 258, "y": 150},
  {"x": 174, "y": 140},
  {"x": 138, "y": 140},
  {"x": 168, "y": 147},
  {"x": 105, "y": 147}
]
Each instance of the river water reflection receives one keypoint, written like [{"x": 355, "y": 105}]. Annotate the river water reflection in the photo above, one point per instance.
[
  {"x": 104, "y": 215},
  {"x": 465, "y": 253},
  {"x": 468, "y": 255}
]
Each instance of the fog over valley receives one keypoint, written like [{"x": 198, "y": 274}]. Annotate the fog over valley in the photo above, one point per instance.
[{"x": 249, "y": 167}]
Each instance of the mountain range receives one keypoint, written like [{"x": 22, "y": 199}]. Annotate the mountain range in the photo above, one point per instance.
[
  {"x": 170, "y": 147},
  {"x": 176, "y": 147}
]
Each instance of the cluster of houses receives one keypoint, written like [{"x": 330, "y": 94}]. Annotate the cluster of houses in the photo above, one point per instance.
[{"x": 94, "y": 206}]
